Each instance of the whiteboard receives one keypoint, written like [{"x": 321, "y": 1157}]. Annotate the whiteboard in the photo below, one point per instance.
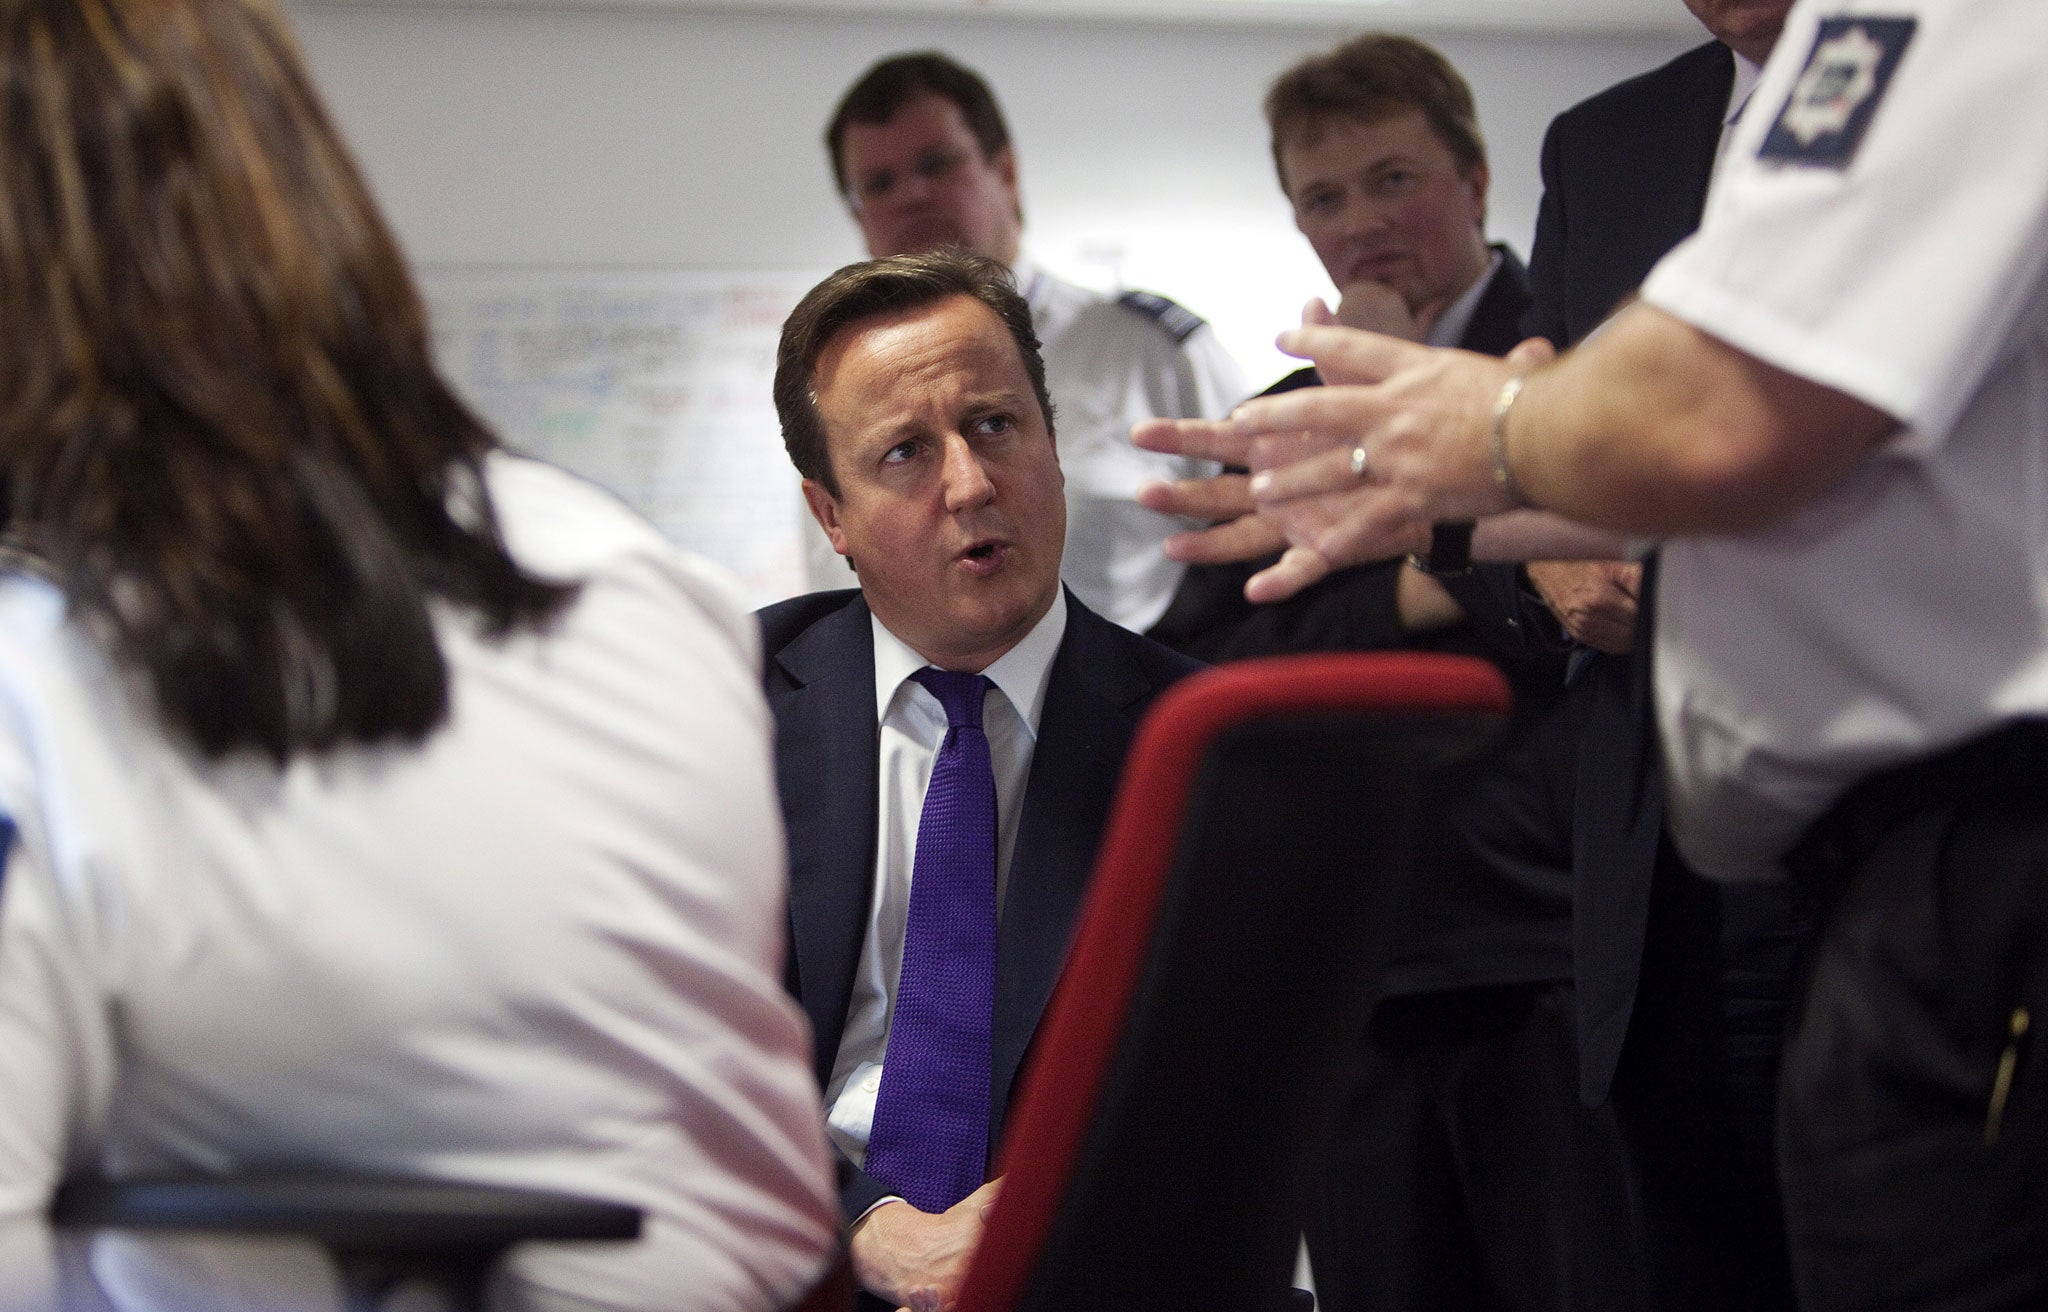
[{"x": 655, "y": 384}]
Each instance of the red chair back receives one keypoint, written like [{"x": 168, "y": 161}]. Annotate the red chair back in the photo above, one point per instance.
[{"x": 1191, "y": 1059}]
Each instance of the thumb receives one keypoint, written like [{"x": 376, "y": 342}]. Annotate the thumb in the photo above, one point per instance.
[
  {"x": 1528, "y": 354},
  {"x": 1318, "y": 314}
]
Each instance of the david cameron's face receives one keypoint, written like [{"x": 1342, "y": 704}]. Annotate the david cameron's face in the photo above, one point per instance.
[{"x": 951, "y": 504}]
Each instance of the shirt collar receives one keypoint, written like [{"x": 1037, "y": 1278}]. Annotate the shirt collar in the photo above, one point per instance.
[
  {"x": 1030, "y": 280},
  {"x": 1022, "y": 672},
  {"x": 1449, "y": 328},
  {"x": 1746, "y": 75}
]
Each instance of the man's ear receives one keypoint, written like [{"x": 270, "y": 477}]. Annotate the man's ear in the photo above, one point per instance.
[
  {"x": 1477, "y": 180},
  {"x": 1004, "y": 161},
  {"x": 825, "y": 509}
]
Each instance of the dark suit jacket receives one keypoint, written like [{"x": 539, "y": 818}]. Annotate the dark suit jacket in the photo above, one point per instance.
[
  {"x": 1625, "y": 178},
  {"x": 1496, "y": 907},
  {"x": 821, "y": 687},
  {"x": 1353, "y": 609}
]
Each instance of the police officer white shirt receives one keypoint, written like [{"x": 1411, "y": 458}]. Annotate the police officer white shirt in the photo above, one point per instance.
[
  {"x": 1108, "y": 366},
  {"x": 1879, "y": 225}
]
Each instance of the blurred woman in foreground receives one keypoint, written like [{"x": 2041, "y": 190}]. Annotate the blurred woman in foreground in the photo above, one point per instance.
[{"x": 374, "y": 799}]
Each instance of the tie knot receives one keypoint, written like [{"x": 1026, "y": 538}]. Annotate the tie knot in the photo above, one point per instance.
[{"x": 959, "y": 693}]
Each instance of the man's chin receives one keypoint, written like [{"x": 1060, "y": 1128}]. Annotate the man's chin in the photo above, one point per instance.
[{"x": 923, "y": 239}]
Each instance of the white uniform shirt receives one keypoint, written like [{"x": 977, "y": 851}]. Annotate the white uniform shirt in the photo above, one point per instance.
[
  {"x": 1906, "y": 609},
  {"x": 913, "y": 726},
  {"x": 1108, "y": 367},
  {"x": 543, "y": 948}
]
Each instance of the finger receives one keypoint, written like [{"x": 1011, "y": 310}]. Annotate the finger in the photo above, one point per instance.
[
  {"x": 1612, "y": 613},
  {"x": 1317, "y": 475},
  {"x": 1531, "y": 352},
  {"x": 1370, "y": 523},
  {"x": 1296, "y": 569},
  {"x": 1614, "y": 639},
  {"x": 1317, "y": 313},
  {"x": 1376, "y": 307},
  {"x": 1272, "y": 450},
  {"x": 1347, "y": 355},
  {"x": 1324, "y": 416},
  {"x": 1246, "y": 538},
  {"x": 1203, "y": 439},
  {"x": 1224, "y": 497}
]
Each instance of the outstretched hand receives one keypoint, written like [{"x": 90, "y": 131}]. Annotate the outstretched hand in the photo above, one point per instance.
[{"x": 1353, "y": 471}]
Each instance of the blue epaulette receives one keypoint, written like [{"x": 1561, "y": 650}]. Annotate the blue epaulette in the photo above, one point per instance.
[{"x": 1178, "y": 320}]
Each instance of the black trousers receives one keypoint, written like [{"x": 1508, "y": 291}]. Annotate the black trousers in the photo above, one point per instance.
[
  {"x": 1913, "y": 1124},
  {"x": 1465, "y": 1175},
  {"x": 1695, "y": 1093}
]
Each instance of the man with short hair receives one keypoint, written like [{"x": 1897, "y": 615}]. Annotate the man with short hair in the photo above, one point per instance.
[
  {"x": 1682, "y": 986},
  {"x": 1463, "y": 1173},
  {"x": 1829, "y": 403},
  {"x": 1377, "y": 148},
  {"x": 922, "y": 155},
  {"x": 961, "y": 679}
]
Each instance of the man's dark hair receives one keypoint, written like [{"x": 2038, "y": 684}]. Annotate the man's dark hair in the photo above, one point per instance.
[
  {"x": 890, "y": 85},
  {"x": 881, "y": 287},
  {"x": 1369, "y": 78}
]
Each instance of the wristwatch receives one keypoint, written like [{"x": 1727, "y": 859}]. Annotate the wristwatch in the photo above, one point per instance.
[{"x": 1450, "y": 548}]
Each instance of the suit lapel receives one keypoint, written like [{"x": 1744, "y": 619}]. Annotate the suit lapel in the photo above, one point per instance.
[
  {"x": 827, "y": 742},
  {"x": 1687, "y": 165},
  {"x": 1092, "y": 704},
  {"x": 1496, "y": 324}
]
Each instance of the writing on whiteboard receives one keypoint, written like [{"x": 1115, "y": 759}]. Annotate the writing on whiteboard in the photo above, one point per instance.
[{"x": 653, "y": 384}]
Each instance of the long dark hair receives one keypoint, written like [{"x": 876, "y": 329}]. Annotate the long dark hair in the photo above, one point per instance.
[{"x": 220, "y": 429}]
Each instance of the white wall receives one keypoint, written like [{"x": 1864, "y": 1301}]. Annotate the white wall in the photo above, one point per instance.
[{"x": 691, "y": 139}]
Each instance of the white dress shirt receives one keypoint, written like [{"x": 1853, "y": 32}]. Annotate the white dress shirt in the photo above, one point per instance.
[{"x": 913, "y": 725}]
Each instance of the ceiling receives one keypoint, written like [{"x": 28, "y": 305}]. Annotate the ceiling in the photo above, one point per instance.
[{"x": 1504, "y": 16}]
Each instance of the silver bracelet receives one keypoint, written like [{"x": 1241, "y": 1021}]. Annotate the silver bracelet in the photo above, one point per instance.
[{"x": 1498, "y": 443}]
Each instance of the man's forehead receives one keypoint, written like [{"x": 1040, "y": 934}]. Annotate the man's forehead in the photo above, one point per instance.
[
  {"x": 873, "y": 358},
  {"x": 925, "y": 118},
  {"x": 1310, "y": 131}
]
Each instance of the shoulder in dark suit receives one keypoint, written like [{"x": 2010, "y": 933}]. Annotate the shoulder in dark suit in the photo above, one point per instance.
[
  {"x": 819, "y": 657},
  {"x": 1625, "y": 176},
  {"x": 1682, "y": 986},
  {"x": 1353, "y": 609}
]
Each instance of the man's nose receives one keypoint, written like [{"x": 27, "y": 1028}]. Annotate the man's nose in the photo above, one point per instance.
[
  {"x": 966, "y": 479},
  {"x": 912, "y": 188},
  {"x": 1363, "y": 218}
]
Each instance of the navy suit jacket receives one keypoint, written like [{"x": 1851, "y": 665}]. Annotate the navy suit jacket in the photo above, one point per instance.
[
  {"x": 820, "y": 681},
  {"x": 1625, "y": 178}
]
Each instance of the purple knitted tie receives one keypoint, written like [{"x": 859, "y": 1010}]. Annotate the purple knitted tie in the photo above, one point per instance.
[{"x": 930, "y": 1137}]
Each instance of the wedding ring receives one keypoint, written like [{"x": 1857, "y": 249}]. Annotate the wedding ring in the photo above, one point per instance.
[{"x": 1358, "y": 461}]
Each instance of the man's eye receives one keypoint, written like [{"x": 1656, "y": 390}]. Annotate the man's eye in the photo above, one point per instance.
[
  {"x": 1398, "y": 182},
  {"x": 1319, "y": 202},
  {"x": 899, "y": 453},
  {"x": 994, "y": 424}
]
